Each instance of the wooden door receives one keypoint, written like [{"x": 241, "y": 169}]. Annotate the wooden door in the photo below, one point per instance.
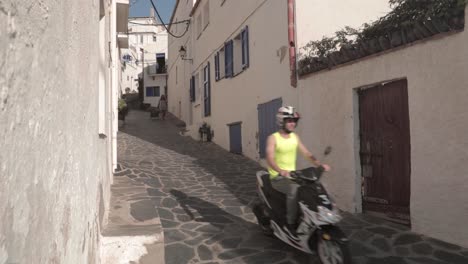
[{"x": 385, "y": 150}]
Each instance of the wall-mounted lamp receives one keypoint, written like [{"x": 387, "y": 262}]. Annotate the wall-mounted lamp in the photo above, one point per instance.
[{"x": 183, "y": 53}]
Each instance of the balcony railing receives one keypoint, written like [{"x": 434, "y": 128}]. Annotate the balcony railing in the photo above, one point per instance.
[{"x": 155, "y": 69}]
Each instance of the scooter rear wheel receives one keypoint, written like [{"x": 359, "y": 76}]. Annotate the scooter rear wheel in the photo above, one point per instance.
[{"x": 332, "y": 252}]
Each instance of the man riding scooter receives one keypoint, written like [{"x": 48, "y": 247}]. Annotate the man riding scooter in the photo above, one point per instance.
[{"x": 281, "y": 155}]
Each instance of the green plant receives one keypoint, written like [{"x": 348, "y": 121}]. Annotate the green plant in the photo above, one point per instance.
[
  {"x": 405, "y": 15},
  {"x": 122, "y": 104}
]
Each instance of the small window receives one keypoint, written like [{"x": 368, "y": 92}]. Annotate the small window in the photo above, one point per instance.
[
  {"x": 152, "y": 91},
  {"x": 207, "y": 90},
  {"x": 154, "y": 38},
  {"x": 141, "y": 39}
]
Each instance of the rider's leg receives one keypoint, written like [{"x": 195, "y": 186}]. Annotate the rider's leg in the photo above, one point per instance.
[
  {"x": 292, "y": 203},
  {"x": 289, "y": 188}
]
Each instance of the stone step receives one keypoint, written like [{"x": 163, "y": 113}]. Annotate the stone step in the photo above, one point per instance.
[{"x": 133, "y": 233}]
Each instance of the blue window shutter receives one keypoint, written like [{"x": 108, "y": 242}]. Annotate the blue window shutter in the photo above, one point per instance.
[
  {"x": 149, "y": 91},
  {"x": 245, "y": 47},
  {"x": 191, "y": 90},
  {"x": 217, "y": 66},
  {"x": 246, "y": 40},
  {"x": 209, "y": 90},
  {"x": 226, "y": 59},
  {"x": 231, "y": 54}
]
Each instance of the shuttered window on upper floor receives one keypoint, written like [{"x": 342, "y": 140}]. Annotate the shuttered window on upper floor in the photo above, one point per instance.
[{"x": 234, "y": 57}]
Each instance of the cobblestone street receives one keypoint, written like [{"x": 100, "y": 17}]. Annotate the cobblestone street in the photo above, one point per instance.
[{"x": 201, "y": 196}]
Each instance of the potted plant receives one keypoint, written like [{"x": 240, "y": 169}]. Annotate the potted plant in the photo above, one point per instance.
[{"x": 123, "y": 109}]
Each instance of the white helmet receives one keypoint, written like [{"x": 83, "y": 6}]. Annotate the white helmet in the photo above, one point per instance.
[{"x": 285, "y": 112}]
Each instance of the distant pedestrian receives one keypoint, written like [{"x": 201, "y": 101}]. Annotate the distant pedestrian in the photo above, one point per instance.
[{"x": 163, "y": 106}]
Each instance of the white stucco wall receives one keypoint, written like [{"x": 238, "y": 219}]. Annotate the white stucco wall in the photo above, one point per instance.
[
  {"x": 178, "y": 70},
  {"x": 437, "y": 93},
  {"x": 159, "y": 80},
  {"x": 144, "y": 28},
  {"x": 316, "y": 18},
  {"x": 54, "y": 168},
  {"x": 235, "y": 99}
]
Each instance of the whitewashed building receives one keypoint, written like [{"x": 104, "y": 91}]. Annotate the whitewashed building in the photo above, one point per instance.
[
  {"x": 397, "y": 121},
  {"x": 58, "y": 110},
  {"x": 235, "y": 64},
  {"x": 146, "y": 58}
]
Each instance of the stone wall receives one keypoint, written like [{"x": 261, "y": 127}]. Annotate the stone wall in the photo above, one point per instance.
[{"x": 52, "y": 161}]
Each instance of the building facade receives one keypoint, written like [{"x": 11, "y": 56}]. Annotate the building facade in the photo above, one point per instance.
[
  {"x": 59, "y": 114},
  {"x": 146, "y": 59},
  {"x": 397, "y": 122},
  {"x": 236, "y": 60},
  {"x": 231, "y": 68}
]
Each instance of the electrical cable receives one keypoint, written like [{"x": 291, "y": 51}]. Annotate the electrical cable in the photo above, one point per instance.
[
  {"x": 174, "y": 23},
  {"x": 157, "y": 13}
]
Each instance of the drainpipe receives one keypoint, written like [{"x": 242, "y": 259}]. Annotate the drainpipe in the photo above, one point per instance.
[{"x": 292, "y": 44}]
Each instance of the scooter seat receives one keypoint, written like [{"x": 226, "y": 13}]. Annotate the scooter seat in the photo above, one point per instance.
[{"x": 268, "y": 189}]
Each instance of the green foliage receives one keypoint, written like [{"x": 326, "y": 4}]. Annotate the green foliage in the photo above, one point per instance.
[
  {"x": 122, "y": 104},
  {"x": 404, "y": 14}
]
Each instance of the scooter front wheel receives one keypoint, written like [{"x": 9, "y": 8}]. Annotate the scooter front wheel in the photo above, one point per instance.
[{"x": 332, "y": 252}]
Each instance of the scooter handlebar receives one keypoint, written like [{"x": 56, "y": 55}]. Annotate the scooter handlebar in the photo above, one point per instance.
[{"x": 308, "y": 174}]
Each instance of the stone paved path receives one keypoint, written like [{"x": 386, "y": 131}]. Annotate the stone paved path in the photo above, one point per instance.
[{"x": 202, "y": 195}]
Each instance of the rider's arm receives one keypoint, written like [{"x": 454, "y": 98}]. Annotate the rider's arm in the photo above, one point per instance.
[
  {"x": 270, "y": 156},
  {"x": 306, "y": 153}
]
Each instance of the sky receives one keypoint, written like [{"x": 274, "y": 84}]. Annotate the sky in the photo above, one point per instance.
[{"x": 141, "y": 8}]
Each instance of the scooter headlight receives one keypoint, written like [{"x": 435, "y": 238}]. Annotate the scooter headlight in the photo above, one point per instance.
[{"x": 328, "y": 216}]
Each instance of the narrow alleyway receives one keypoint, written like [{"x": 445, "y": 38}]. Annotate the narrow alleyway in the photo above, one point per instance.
[{"x": 194, "y": 198}]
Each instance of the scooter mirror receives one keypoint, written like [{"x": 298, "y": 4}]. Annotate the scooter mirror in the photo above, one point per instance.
[{"x": 327, "y": 151}]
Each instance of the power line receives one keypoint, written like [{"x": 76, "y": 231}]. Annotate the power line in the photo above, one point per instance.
[
  {"x": 154, "y": 24},
  {"x": 157, "y": 13}
]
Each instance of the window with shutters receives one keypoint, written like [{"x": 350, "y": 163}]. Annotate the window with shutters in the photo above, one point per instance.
[
  {"x": 234, "y": 57},
  {"x": 220, "y": 65},
  {"x": 152, "y": 91},
  {"x": 241, "y": 51}
]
